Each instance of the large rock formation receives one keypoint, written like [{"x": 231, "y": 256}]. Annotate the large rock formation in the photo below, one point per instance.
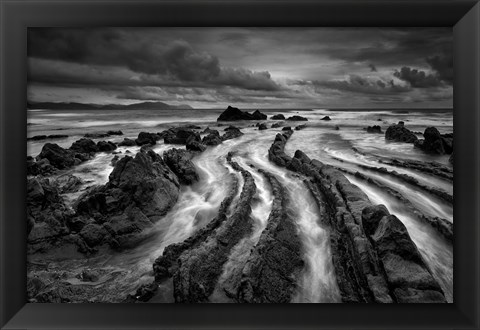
[
  {"x": 231, "y": 132},
  {"x": 435, "y": 143},
  {"x": 400, "y": 133},
  {"x": 233, "y": 114},
  {"x": 139, "y": 192},
  {"x": 84, "y": 146},
  {"x": 212, "y": 139},
  {"x": 127, "y": 143},
  {"x": 409, "y": 278},
  {"x": 180, "y": 163},
  {"x": 278, "y": 117},
  {"x": 57, "y": 156},
  {"x": 147, "y": 138},
  {"x": 180, "y": 135},
  {"x": 47, "y": 216}
]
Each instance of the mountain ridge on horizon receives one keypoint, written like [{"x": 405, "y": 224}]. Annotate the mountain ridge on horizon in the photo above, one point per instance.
[{"x": 93, "y": 106}]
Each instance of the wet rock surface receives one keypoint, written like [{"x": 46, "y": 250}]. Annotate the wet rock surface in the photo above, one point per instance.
[
  {"x": 408, "y": 277},
  {"x": 139, "y": 192},
  {"x": 231, "y": 132},
  {"x": 270, "y": 274},
  {"x": 400, "y": 133},
  {"x": 435, "y": 143},
  {"x": 180, "y": 163}
]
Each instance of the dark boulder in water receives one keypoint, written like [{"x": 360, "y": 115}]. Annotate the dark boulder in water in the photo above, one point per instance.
[
  {"x": 115, "y": 133},
  {"x": 299, "y": 127},
  {"x": 57, "y": 156},
  {"x": 337, "y": 128},
  {"x": 435, "y": 143},
  {"x": 279, "y": 124},
  {"x": 180, "y": 135},
  {"x": 37, "y": 138},
  {"x": 194, "y": 145},
  {"x": 231, "y": 132},
  {"x": 106, "y": 146},
  {"x": 297, "y": 118},
  {"x": 278, "y": 117},
  {"x": 374, "y": 129},
  {"x": 84, "y": 146},
  {"x": 233, "y": 114},
  {"x": 400, "y": 133},
  {"x": 127, "y": 143},
  {"x": 208, "y": 130},
  {"x": 257, "y": 115},
  {"x": 44, "y": 137},
  {"x": 96, "y": 135},
  {"x": 262, "y": 127},
  {"x": 146, "y": 138},
  {"x": 180, "y": 163},
  {"x": 212, "y": 139},
  {"x": 287, "y": 128},
  {"x": 326, "y": 118}
]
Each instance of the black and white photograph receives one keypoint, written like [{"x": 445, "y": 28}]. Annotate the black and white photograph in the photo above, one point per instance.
[{"x": 240, "y": 165}]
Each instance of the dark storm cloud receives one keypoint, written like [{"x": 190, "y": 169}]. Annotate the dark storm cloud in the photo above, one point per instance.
[
  {"x": 443, "y": 65},
  {"x": 418, "y": 78},
  {"x": 358, "y": 84},
  {"x": 397, "y": 46},
  {"x": 177, "y": 59}
]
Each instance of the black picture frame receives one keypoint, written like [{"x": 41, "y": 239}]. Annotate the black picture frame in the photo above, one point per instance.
[{"x": 462, "y": 15}]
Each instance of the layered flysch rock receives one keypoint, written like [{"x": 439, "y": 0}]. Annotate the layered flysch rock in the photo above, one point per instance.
[
  {"x": 358, "y": 260},
  {"x": 200, "y": 268},
  {"x": 167, "y": 264},
  {"x": 409, "y": 278},
  {"x": 272, "y": 269}
]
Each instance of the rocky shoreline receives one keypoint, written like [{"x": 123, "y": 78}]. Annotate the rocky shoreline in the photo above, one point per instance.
[{"x": 373, "y": 255}]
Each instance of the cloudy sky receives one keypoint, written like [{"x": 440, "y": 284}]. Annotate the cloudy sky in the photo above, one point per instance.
[{"x": 244, "y": 67}]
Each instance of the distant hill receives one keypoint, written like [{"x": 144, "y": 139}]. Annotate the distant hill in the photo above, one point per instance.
[{"x": 89, "y": 106}]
